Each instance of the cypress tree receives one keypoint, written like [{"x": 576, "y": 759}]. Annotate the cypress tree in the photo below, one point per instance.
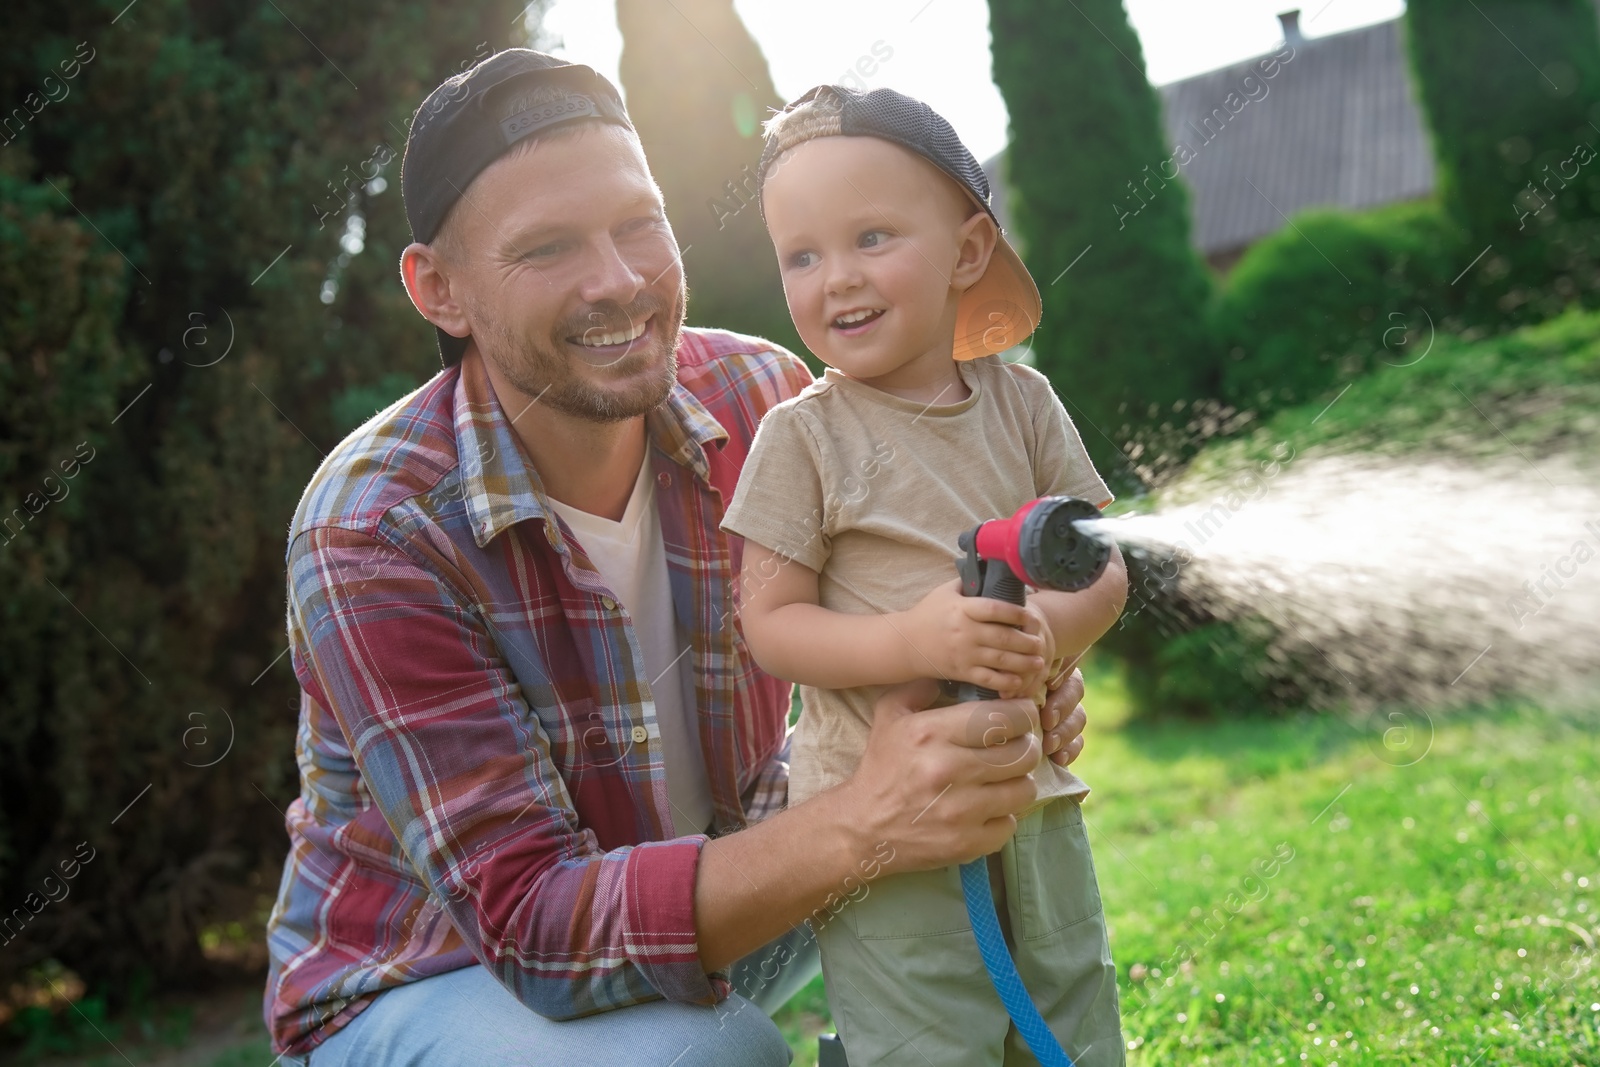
[
  {"x": 1511, "y": 91},
  {"x": 1103, "y": 222},
  {"x": 199, "y": 226},
  {"x": 698, "y": 90}
]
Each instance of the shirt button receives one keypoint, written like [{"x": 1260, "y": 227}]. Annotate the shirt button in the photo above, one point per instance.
[
  {"x": 664, "y": 478},
  {"x": 611, "y": 605},
  {"x": 640, "y": 735}
]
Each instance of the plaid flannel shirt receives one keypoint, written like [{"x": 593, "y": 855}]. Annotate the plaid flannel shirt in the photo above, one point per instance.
[{"x": 481, "y": 769}]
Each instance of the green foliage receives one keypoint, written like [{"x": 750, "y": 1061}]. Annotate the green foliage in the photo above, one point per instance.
[
  {"x": 1331, "y": 298},
  {"x": 1339, "y": 294},
  {"x": 39, "y": 1031},
  {"x": 1509, "y": 88},
  {"x": 357, "y": 403},
  {"x": 1221, "y": 667},
  {"x": 169, "y": 379},
  {"x": 1541, "y": 383},
  {"x": 697, "y": 88},
  {"x": 1123, "y": 335}
]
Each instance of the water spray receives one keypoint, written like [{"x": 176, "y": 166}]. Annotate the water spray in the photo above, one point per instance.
[
  {"x": 1386, "y": 580},
  {"x": 1415, "y": 583}
]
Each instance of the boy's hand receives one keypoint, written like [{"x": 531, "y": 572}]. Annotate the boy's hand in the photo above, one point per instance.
[{"x": 975, "y": 639}]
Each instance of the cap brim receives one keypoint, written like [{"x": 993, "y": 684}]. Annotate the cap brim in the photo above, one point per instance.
[{"x": 1001, "y": 310}]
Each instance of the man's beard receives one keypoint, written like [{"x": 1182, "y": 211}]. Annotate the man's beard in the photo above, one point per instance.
[{"x": 542, "y": 369}]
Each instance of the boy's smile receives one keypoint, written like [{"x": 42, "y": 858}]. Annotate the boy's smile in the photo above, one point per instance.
[
  {"x": 857, "y": 320},
  {"x": 876, "y": 245}
]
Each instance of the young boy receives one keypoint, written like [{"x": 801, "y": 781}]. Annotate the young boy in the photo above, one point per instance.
[{"x": 850, "y": 504}]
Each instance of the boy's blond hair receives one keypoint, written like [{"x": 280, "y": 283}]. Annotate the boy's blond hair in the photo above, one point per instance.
[{"x": 820, "y": 116}]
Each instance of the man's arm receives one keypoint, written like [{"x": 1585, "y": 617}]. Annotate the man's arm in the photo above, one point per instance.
[
  {"x": 464, "y": 778},
  {"x": 929, "y": 791}
]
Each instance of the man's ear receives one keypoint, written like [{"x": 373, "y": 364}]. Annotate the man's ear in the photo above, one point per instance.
[
  {"x": 976, "y": 239},
  {"x": 428, "y": 283}
]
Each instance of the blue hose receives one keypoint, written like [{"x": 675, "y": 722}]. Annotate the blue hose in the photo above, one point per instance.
[
  {"x": 994, "y": 578},
  {"x": 1003, "y": 970}
]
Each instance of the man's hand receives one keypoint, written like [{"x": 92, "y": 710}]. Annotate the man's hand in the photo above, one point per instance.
[
  {"x": 941, "y": 785},
  {"x": 935, "y": 786},
  {"x": 1034, "y": 682},
  {"x": 973, "y": 639},
  {"x": 1063, "y": 719}
]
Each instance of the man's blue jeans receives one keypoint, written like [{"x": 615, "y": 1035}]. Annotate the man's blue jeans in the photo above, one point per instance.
[{"x": 465, "y": 1018}]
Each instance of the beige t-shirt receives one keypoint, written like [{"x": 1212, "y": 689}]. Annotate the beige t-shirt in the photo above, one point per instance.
[{"x": 871, "y": 491}]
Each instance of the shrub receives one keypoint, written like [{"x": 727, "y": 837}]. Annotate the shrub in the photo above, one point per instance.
[
  {"x": 1331, "y": 298},
  {"x": 1223, "y": 668},
  {"x": 1123, "y": 336},
  {"x": 169, "y": 377},
  {"x": 1508, "y": 89}
]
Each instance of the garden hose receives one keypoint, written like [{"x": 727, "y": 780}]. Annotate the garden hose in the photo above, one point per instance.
[{"x": 1042, "y": 544}]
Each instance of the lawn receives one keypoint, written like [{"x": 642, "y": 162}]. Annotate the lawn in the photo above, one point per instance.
[
  {"x": 1311, "y": 890},
  {"x": 1398, "y": 890}
]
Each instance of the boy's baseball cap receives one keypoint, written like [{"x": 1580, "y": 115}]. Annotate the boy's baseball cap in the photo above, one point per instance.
[
  {"x": 463, "y": 126},
  {"x": 1002, "y": 308}
]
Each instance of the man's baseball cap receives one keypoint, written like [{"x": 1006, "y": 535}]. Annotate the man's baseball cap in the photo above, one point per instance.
[
  {"x": 475, "y": 117},
  {"x": 1002, "y": 308}
]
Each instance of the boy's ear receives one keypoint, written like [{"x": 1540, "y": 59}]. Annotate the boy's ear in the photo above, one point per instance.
[{"x": 976, "y": 239}]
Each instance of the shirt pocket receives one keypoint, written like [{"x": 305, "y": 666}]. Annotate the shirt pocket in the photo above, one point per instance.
[{"x": 1050, "y": 873}]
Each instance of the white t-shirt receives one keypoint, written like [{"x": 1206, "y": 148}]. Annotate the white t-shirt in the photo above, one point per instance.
[{"x": 632, "y": 559}]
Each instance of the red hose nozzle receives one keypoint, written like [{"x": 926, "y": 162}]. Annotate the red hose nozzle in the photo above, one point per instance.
[{"x": 1041, "y": 543}]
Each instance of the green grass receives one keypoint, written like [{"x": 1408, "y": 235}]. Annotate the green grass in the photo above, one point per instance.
[
  {"x": 1439, "y": 906},
  {"x": 255, "y": 1054}
]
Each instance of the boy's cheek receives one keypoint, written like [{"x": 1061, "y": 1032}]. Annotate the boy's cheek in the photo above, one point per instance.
[
  {"x": 815, "y": 339},
  {"x": 805, "y": 311}
]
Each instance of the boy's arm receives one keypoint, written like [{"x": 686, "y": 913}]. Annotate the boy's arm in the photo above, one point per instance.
[
  {"x": 945, "y": 636},
  {"x": 794, "y": 638},
  {"x": 1077, "y": 620},
  {"x": 1062, "y": 466}
]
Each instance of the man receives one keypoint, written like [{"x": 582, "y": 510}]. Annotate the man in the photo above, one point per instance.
[{"x": 529, "y": 728}]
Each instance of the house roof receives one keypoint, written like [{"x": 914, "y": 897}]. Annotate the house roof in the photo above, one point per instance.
[{"x": 1339, "y": 125}]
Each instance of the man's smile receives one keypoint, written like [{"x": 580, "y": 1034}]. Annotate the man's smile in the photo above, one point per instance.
[{"x": 596, "y": 337}]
